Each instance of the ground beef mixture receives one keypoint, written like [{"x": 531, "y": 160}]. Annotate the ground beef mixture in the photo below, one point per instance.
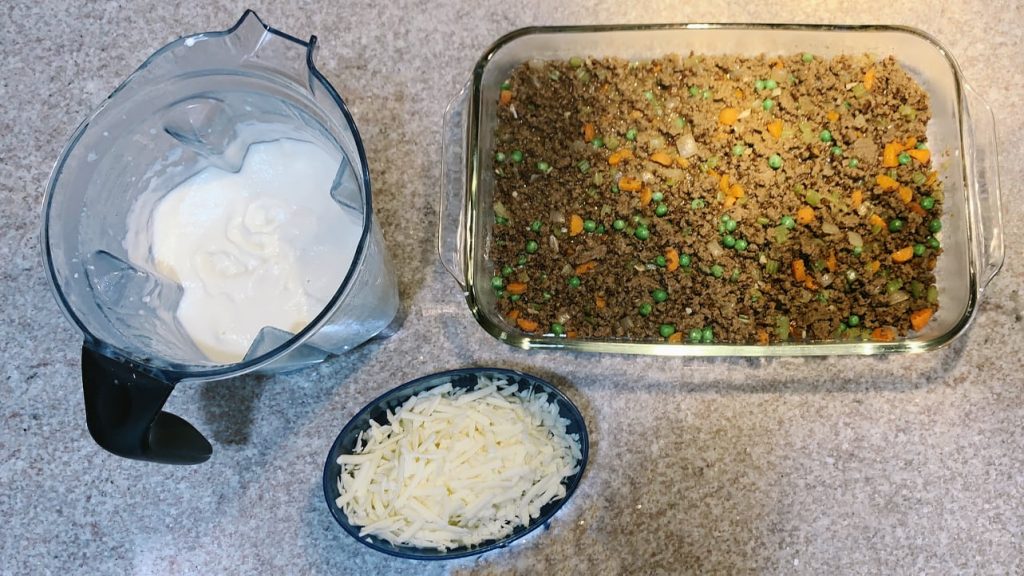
[{"x": 715, "y": 199}]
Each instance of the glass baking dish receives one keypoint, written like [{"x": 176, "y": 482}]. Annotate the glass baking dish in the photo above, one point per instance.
[{"x": 961, "y": 136}]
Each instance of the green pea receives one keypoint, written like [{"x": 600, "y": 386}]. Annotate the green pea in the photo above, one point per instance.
[
  {"x": 506, "y": 271},
  {"x": 788, "y": 222},
  {"x": 741, "y": 245},
  {"x": 707, "y": 335},
  {"x": 506, "y": 85},
  {"x": 717, "y": 271},
  {"x": 903, "y": 158},
  {"x": 522, "y": 260},
  {"x": 497, "y": 282},
  {"x": 597, "y": 142},
  {"x": 738, "y": 150},
  {"x": 648, "y": 95},
  {"x": 933, "y": 243},
  {"x": 684, "y": 260},
  {"x": 657, "y": 196},
  {"x": 574, "y": 282},
  {"x": 771, "y": 84},
  {"x": 934, "y": 226},
  {"x": 857, "y": 250},
  {"x": 589, "y": 225},
  {"x": 659, "y": 295},
  {"x": 697, "y": 203},
  {"x": 584, "y": 166},
  {"x": 854, "y": 162},
  {"x": 660, "y": 262},
  {"x": 837, "y": 151},
  {"x": 775, "y": 161},
  {"x": 514, "y": 298},
  {"x": 853, "y": 321},
  {"x": 895, "y": 225},
  {"x": 922, "y": 146},
  {"x": 706, "y": 94},
  {"x": 535, "y": 225},
  {"x": 557, "y": 329},
  {"x": 695, "y": 335},
  {"x": 618, "y": 224},
  {"x": 694, "y": 91},
  {"x": 725, "y": 218},
  {"x": 499, "y": 157},
  {"x": 759, "y": 85},
  {"x": 768, "y": 104},
  {"x": 808, "y": 57},
  {"x": 666, "y": 330},
  {"x": 679, "y": 122},
  {"x": 532, "y": 247},
  {"x": 918, "y": 249},
  {"x": 642, "y": 233},
  {"x": 500, "y": 219},
  {"x": 661, "y": 210},
  {"x": 728, "y": 241},
  {"x": 825, "y": 136},
  {"x": 731, "y": 225},
  {"x": 517, "y": 156},
  {"x": 543, "y": 167},
  {"x": 600, "y": 229},
  {"x": 631, "y": 134}
]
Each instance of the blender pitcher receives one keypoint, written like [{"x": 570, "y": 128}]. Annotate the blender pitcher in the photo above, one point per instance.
[{"x": 181, "y": 112}]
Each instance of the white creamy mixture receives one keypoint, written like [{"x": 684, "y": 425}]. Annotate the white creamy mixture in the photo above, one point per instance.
[{"x": 266, "y": 246}]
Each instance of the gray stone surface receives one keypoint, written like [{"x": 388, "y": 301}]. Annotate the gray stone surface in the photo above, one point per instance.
[{"x": 908, "y": 464}]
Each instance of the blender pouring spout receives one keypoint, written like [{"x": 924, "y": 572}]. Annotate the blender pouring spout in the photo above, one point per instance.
[{"x": 123, "y": 410}]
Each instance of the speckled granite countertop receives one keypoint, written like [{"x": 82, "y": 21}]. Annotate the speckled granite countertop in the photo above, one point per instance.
[{"x": 855, "y": 465}]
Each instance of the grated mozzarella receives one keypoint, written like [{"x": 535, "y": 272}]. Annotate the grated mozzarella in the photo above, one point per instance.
[{"x": 458, "y": 467}]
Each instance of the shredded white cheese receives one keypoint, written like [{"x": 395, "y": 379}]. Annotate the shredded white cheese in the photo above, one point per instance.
[{"x": 458, "y": 467}]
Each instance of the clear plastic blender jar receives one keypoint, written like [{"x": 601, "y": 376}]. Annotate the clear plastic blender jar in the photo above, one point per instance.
[{"x": 189, "y": 107}]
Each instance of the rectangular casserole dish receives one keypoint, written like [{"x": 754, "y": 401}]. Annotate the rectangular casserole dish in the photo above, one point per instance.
[{"x": 961, "y": 136}]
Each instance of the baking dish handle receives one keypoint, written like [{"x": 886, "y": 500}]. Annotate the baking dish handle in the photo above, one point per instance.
[
  {"x": 451, "y": 227},
  {"x": 984, "y": 162}
]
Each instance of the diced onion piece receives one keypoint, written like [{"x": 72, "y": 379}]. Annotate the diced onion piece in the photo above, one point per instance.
[
  {"x": 829, "y": 228},
  {"x": 686, "y": 145},
  {"x": 855, "y": 239}
]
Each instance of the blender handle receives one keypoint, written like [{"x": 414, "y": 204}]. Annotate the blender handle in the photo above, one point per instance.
[
  {"x": 123, "y": 411},
  {"x": 451, "y": 227}
]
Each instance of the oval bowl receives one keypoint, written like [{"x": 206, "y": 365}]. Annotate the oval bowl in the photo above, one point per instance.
[{"x": 463, "y": 378}]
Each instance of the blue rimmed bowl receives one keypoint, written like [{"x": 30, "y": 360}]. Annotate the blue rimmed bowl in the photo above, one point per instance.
[{"x": 464, "y": 378}]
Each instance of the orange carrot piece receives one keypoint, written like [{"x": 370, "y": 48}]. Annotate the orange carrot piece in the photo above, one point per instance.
[
  {"x": 891, "y": 155},
  {"x": 883, "y": 334},
  {"x": 671, "y": 259},
  {"x": 910, "y": 143},
  {"x": 600, "y": 302},
  {"x": 723, "y": 183},
  {"x": 683, "y": 162},
  {"x": 805, "y": 215},
  {"x": 832, "y": 116},
  {"x": 775, "y": 129},
  {"x": 675, "y": 338},
  {"x": 738, "y": 93},
  {"x": 661, "y": 158},
  {"x": 903, "y": 254},
  {"x": 629, "y": 184},
  {"x": 809, "y": 284},
  {"x": 645, "y": 196},
  {"x": 916, "y": 209},
  {"x": 728, "y": 116},
  {"x": 886, "y": 183},
  {"x": 857, "y": 199},
  {"x": 869, "y": 79},
  {"x": 906, "y": 194},
  {"x": 873, "y": 267},
  {"x": 527, "y": 324},
  {"x": 584, "y": 268},
  {"x": 931, "y": 178},
  {"x": 876, "y": 221},
  {"x": 729, "y": 202},
  {"x": 922, "y": 156},
  {"x": 762, "y": 337},
  {"x": 799, "y": 270},
  {"x": 737, "y": 191},
  {"x": 620, "y": 155},
  {"x": 516, "y": 288},
  {"x": 919, "y": 318},
  {"x": 831, "y": 262},
  {"x": 575, "y": 225},
  {"x": 512, "y": 315},
  {"x": 588, "y": 132},
  {"x": 505, "y": 98},
  {"x": 570, "y": 334}
]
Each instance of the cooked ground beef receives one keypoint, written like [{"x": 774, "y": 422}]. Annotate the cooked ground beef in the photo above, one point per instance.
[{"x": 726, "y": 199}]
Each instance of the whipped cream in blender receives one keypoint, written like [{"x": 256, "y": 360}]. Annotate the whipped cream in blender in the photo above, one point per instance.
[{"x": 264, "y": 246}]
